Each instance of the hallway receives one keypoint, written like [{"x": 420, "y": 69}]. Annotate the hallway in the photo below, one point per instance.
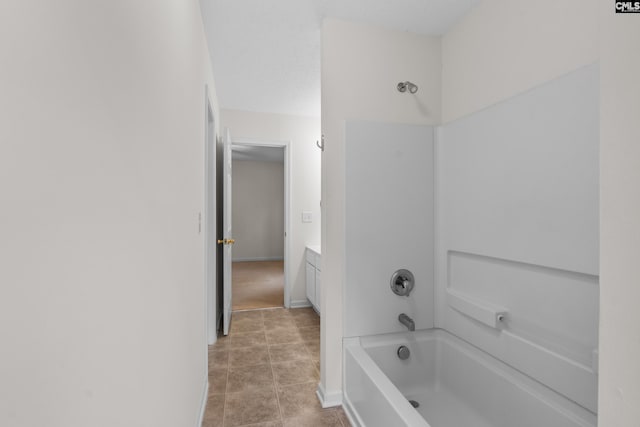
[
  {"x": 265, "y": 373},
  {"x": 257, "y": 284}
]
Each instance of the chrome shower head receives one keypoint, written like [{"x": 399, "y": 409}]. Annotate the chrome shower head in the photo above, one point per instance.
[{"x": 403, "y": 86}]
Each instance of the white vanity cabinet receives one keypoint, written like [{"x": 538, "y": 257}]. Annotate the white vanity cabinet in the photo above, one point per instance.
[{"x": 314, "y": 286}]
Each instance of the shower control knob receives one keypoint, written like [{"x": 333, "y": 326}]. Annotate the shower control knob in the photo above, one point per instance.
[{"x": 402, "y": 282}]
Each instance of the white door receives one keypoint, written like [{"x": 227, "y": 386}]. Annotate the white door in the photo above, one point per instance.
[
  {"x": 210, "y": 226},
  {"x": 227, "y": 240}
]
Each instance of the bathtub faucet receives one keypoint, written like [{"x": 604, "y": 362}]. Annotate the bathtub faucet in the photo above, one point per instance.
[{"x": 407, "y": 321}]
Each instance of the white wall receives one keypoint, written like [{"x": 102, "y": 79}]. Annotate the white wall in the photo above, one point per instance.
[
  {"x": 258, "y": 210},
  {"x": 620, "y": 224},
  {"x": 304, "y": 178},
  {"x": 502, "y": 48},
  {"x": 389, "y": 225},
  {"x": 102, "y": 303},
  {"x": 361, "y": 66}
]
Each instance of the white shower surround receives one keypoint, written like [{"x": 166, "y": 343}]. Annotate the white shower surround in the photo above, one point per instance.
[{"x": 516, "y": 213}]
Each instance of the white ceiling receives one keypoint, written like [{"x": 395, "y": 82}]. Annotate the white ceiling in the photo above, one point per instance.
[{"x": 266, "y": 53}]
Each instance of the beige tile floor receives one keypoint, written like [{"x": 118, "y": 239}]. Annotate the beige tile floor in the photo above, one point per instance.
[{"x": 265, "y": 373}]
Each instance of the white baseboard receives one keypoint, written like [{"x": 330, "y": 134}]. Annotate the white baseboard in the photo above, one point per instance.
[
  {"x": 328, "y": 400},
  {"x": 277, "y": 258},
  {"x": 203, "y": 402},
  {"x": 301, "y": 303}
]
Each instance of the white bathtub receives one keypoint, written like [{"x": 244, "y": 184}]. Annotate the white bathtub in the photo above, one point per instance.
[{"x": 455, "y": 384}]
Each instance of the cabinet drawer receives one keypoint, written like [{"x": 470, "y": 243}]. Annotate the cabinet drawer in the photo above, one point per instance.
[
  {"x": 318, "y": 296},
  {"x": 310, "y": 257},
  {"x": 311, "y": 282}
]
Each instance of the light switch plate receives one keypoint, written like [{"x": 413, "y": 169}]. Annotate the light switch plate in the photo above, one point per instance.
[{"x": 307, "y": 216}]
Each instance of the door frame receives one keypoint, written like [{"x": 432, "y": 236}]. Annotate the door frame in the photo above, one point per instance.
[
  {"x": 287, "y": 205},
  {"x": 208, "y": 221},
  {"x": 226, "y": 243}
]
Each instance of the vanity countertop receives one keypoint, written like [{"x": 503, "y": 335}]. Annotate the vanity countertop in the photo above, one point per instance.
[{"x": 314, "y": 248}]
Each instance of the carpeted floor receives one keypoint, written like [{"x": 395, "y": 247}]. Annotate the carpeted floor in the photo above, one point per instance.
[{"x": 257, "y": 284}]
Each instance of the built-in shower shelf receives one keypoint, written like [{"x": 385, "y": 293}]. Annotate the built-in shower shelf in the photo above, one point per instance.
[{"x": 487, "y": 313}]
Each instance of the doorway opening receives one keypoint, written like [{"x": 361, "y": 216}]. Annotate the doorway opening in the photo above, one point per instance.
[{"x": 260, "y": 218}]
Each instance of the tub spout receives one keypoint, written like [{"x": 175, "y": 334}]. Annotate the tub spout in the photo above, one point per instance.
[{"x": 407, "y": 321}]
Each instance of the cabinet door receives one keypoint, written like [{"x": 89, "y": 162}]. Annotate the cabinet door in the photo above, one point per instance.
[
  {"x": 318, "y": 290},
  {"x": 311, "y": 283}
]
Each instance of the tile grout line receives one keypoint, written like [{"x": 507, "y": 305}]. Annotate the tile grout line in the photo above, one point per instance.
[
  {"x": 309, "y": 357},
  {"x": 263, "y": 332},
  {"x": 309, "y": 352},
  {"x": 226, "y": 385},
  {"x": 332, "y": 410},
  {"x": 273, "y": 374}
]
